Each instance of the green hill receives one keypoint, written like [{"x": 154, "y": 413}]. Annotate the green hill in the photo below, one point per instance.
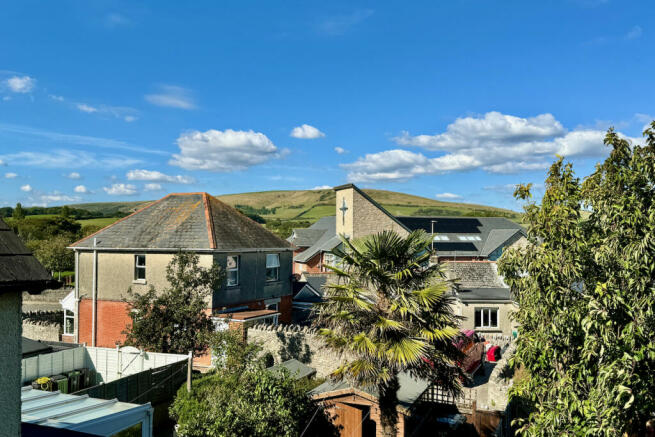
[{"x": 310, "y": 205}]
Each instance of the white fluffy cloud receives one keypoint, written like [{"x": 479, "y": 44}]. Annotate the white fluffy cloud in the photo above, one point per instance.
[
  {"x": 74, "y": 175},
  {"x": 11, "y": 175},
  {"x": 448, "y": 196},
  {"x": 152, "y": 187},
  {"x": 224, "y": 151},
  {"x": 120, "y": 190},
  {"x": 81, "y": 189},
  {"x": 495, "y": 142},
  {"x": 306, "y": 132},
  {"x": 322, "y": 187},
  {"x": 27, "y": 188},
  {"x": 172, "y": 97},
  {"x": 340, "y": 150},
  {"x": 86, "y": 108},
  {"x": 157, "y": 176},
  {"x": 21, "y": 84}
]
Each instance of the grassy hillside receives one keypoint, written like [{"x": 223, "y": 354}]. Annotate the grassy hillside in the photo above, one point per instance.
[
  {"x": 310, "y": 205},
  {"x": 314, "y": 204}
]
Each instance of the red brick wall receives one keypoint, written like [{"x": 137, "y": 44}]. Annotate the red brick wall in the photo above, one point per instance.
[
  {"x": 314, "y": 264},
  {"x": 113, "y": 319}
]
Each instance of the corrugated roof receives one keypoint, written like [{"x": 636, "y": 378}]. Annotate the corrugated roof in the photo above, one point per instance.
[
  {"x": 185, "y": 221},
  {"x": 82, "y": 413},
  {"x": 19, "y": 270}
]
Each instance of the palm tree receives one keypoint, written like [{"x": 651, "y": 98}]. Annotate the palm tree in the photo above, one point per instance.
[{"x": 389, "y": 309}]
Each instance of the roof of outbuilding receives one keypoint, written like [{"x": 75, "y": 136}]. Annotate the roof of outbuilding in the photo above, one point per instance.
[
  {"x": 492, "y": 231},
  {"x": 185, "y": 221},
  {"x": 19, "y": 270},
  {"x": 296, "y": 369},
  {"x": 408, "y": 393}
]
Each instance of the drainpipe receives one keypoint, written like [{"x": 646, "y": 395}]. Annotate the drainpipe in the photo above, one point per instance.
[
  {"x": 94, "y": 291},
  {"x": 77, "y": 296}
]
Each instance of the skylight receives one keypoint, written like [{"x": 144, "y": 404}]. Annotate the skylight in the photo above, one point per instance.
[
  {"x": 441, "y": 238},
  {"x": 469, "y": 238}
]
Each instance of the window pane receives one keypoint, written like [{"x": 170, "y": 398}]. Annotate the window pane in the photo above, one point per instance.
[
  {"x": 69, "y": 326},
  {"x": 272, "y": 274},
  {"x": 494, "y": 318},
  {"x": 485, "y": 317},
  {"x": 478, "y": 321},
  {"x": 272, "y": 260},
  {"x": 140, "y": 273},
  {"x": 232, "y": 277},
  {"x": 141, "y": 260},
  {"x": 232, "y": 262}
]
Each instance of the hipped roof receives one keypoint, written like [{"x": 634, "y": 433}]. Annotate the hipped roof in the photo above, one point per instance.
[{"x": 185, "y": 221}]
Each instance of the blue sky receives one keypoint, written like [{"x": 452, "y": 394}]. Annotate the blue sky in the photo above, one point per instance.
[{"x": 458, "y": 100}]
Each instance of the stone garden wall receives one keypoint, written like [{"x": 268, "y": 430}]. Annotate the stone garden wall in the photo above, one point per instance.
[{"x": 285, "y": 342}]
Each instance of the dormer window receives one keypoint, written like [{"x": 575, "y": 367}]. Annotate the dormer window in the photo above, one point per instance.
[{"x": 139, "y": 268}]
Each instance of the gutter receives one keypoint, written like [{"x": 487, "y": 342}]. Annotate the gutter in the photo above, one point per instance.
[{"x": 183, "y": 249}]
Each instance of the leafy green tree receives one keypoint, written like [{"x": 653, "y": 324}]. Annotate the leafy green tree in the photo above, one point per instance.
[
  {"x": 46, "y": 228},
  {"x": 389, "y": 308},
  {"x": 53, "y": 253},
  {"x": 174, "y": 320},
  {"x": 586, "y": 293},
  {"x": 243, "y": 399},
  {"x": 18, "y": 214},
  {"x": 65, "y": 211}
]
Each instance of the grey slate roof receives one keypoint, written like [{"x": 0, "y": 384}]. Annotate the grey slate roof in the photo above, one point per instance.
[
  {"x": 185, "y": 221},
  {"x": 408, "y": 393},
  {"x": 474, "y": 274},
  {"x": 296, "y": 369},
  {"x": 312, "y": 291},
  {"x": 493, "y": 232},
  {"x": 305, "y": 237},
  {"x": 484, "y": 294},
  {"x": 327, "y": 241},
  {"x": 19, "y": 270}
]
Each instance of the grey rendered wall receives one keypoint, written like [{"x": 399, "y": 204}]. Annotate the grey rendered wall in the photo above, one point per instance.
[
  {"x": 252, "y": 279},
  {"x": 116, "y": 275},
  {"x": 10, "y": 360}
]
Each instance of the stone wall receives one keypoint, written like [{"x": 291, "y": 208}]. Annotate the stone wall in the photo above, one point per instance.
[
  {"x": 42, "y": 330},
  {"x": 285, "y": 342},
  {"x": 500, "y": 380}
]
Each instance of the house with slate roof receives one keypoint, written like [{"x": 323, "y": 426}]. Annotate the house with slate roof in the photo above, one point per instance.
[
  {"x": 135, "y": 251},
  {"x": 468, "y": 247},
  {"x": 19, "y": 272}
]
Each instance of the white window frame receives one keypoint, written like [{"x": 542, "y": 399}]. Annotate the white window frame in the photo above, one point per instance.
[
  {"x": 68, "y": 317},
  {"x": 486, "y": 310},
  {"x": 235, "y": 269},
  {"x": 138, "y": 267},
  {"x": 272, "y": 266}
]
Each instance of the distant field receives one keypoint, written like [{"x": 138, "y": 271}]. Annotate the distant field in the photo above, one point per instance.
[{"x": 104, "y": 221}]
